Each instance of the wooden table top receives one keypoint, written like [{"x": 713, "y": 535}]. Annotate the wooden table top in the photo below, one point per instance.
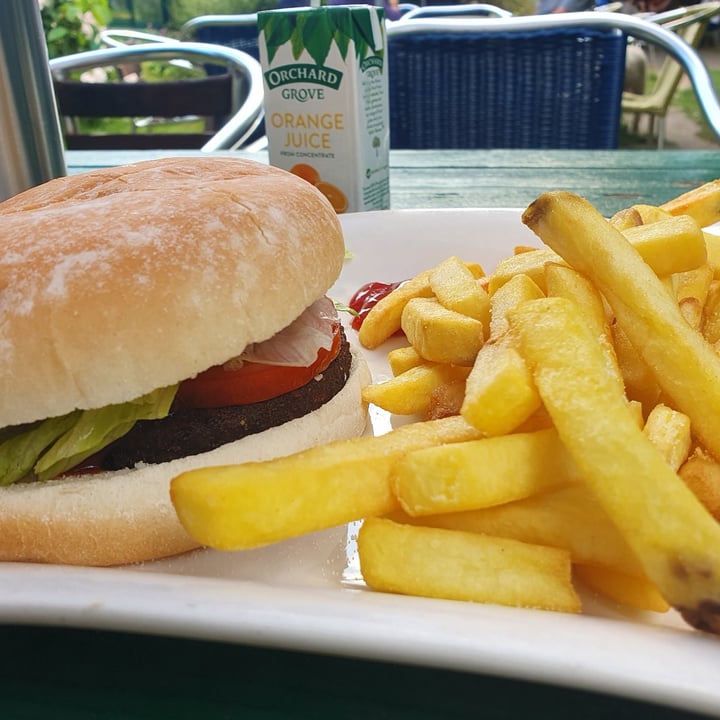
[{"x": 611, "y": 180}]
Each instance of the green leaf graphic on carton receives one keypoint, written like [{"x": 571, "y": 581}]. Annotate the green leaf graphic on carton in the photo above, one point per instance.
[
  {"x": 316, "y": 30},
  {"x": 318, "y": 36},
  {"x": 364, "y": 27},
  {"x": 343, "y": 32},
  {"x": 278, "y": 30},
  {"x": 297, "y": 41},
  {"x": 342, "y": 41}
]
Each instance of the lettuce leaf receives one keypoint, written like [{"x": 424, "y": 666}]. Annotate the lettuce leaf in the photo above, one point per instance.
[
  {"x": 58, "y": 444},
  {"x": 20, "y": 450}
]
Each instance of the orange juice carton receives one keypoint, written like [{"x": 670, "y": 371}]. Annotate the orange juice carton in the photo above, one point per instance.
[{"x": 326, "y": 100}]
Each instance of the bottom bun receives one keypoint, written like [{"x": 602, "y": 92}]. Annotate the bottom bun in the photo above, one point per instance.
[{"x": 126, "y": 516}]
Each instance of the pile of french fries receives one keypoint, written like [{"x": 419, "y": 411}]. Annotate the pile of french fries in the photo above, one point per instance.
[{"x": 566, "y": 426}]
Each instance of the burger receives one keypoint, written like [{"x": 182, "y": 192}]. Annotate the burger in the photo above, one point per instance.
[{"x": 155, "y": 318}]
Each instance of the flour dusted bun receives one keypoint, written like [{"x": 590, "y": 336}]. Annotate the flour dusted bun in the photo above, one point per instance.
[
  {"x": 126, "y": 516},
  {"x": 119, "y": 281}
]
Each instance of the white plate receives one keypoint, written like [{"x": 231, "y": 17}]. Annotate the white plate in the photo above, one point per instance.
[{"x": 292, "y": 595}]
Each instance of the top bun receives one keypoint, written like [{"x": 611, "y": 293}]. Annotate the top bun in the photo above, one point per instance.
[{"x": 119, "y": 281}]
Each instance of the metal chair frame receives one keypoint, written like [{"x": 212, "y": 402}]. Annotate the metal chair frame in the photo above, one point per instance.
[
  {"x": 118, "y": 38},
  {"x": 455, "y": 11},
  {"x": 244, "y": 72},
  {"x": 406, "y": 7},
  {"x": 112, "y": 37}
]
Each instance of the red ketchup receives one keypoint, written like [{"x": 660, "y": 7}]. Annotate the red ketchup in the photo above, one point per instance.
[{"x": 367, "y": 297}]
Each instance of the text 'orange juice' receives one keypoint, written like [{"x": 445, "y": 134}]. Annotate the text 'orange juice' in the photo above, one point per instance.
[{"x": 326, "y": 103}]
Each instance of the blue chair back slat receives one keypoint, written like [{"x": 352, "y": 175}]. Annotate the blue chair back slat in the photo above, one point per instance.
[
  {"x": 537, "y": 89},
  {"x": 240, "y": 37}
]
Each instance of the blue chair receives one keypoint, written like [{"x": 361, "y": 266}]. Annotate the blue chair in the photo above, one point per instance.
[
  {"x": 453, "y": 84},
  {"x": 551, "y": 81},
  {"x": 235, "y": 31}
]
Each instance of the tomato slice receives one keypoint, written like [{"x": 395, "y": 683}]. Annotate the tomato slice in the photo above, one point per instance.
[{"x": 252, "y": 382}]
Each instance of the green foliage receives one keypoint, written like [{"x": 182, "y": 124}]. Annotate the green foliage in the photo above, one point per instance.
[
  {"x": 73, "y": 25},
  {"x": 686, "y": 100},
  {"x": 155, "y": 70},
  {"x": 124, "y": 126},
  {"x": 180, "y": 11}
]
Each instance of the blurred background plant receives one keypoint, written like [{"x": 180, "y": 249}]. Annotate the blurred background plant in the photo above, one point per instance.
[
  {"x": 171, "y": 14},
  {"x": 686, "y": 100},
  {"x": 73, "y": 25}
]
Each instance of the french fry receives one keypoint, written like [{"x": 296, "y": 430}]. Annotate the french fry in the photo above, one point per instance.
[
  {"x": 712, "y": 245},
  {"x": 701, "y": 203},
  {"x": 628, "y": 590},
  {"x": 481, "y": 473},
  {"x": 244, "y": 506},
  {"x": 383, "y": 321},
  {"x": 530, "y": 263},
  {"x": 668, "y": 246},
  {"x": 636, "y": 409},
  {"x": 685, "y": 366},
  {"x": 463, "y": 566},
  {"x": 668, "y": 529},
  {"x": 651, "y": 213},
  {"x": 477, "y": 270},
  {"x": 701, "y": 473},
  {"x": 409, "y": 393},
  {"x": 669, "y": 431},
  {"x": 446, "y": 400},
  {"x": 441, "y": 335},
  {"x": 626, "y": 218},
  {"x": 402, "y": 359},
  {"x": 639, "y": 380},
  {"x": 569, "y": 518},
  {"x": 564, "y": 281},
  {"x": 539, "y": 420},
  {"x": 500, "y": 393},
  {"x": 710, "y": 325},
  {"x": 516, "y": 290},
  {"x": 691, "y": 290},
  {"x": 456, "y": 288}
]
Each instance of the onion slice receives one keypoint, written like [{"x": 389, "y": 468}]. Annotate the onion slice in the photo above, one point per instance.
[{"x": 297, "y": 345}]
